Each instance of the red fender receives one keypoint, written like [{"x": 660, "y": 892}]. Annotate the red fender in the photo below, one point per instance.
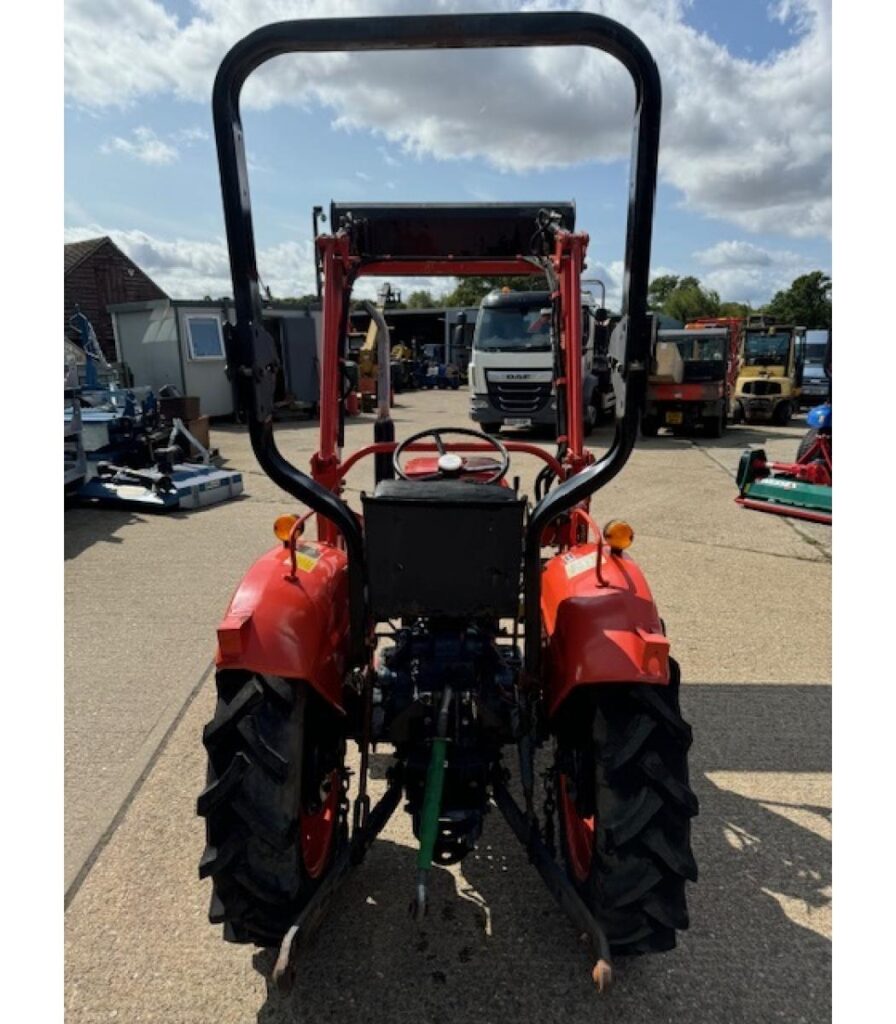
[
  {"x": 598, "y": 633},
  {"x": 296, "y": 626}
]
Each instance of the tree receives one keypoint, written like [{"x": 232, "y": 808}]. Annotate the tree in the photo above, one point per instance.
[
  {"x": 807, "y": 302},
  {"x": 689, "y": 301},
  {"x": 309, "y": 299},
  {"x": 421, "y": 300},
  {"x": 682, "y": 298},
  {"x": 659, "y": 289},
  {"x": 736, "y": 309},
  {"x": 471, "y": 290}
]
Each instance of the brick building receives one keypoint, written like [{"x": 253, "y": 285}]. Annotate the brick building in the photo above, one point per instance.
[{"x": 97, "y": 274}]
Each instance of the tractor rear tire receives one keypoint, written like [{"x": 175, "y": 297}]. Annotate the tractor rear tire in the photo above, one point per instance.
[
  {"x": 273, "y": 803},
  {"x": 627, "y": 775},
  {"x": 806, "y": 444}
]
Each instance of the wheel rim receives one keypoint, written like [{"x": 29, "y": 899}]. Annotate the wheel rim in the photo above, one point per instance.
[
  {"x": 578, "y": 835},
  {"x": 319, "y": 830}
]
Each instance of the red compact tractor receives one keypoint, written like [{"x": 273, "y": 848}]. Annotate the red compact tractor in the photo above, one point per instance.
[{"x": 524, "y": 625}]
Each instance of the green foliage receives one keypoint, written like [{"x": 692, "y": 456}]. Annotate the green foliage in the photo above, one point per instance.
[
  {"x": 300, "y": 300},
  {"x": 736, "y": 309},
  {"x": 806, "y": 303},
  {"x": 682, "y": 298},
  {"x": 659, "y": 289},
  {"x": 471, "y": 290},
  {"x": 422, "y": 300}
]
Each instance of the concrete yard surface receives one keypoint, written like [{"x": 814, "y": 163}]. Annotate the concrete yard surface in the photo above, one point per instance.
[{"x": 746, "y": 602}]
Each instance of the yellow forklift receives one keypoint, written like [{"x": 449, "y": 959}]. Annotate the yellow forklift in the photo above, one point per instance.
[{"x": 768, "y": 385}]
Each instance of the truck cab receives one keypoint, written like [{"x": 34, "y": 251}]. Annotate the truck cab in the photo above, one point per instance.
[
  {"x": 768, "y": 386},
  {"x": 816, "y": 384},
  {"x": 511, "y": 370}
]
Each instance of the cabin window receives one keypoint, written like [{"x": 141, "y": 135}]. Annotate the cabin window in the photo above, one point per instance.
[{"x": 204, "y": 337}]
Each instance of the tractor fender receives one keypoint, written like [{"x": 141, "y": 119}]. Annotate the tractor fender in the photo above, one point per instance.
[
  {"x": 597, "y": 632},
  {"x": 294, "y": 625}
]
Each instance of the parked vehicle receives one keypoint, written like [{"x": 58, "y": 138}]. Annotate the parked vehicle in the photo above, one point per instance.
[
  {"x": 511, "y": 371},
  {"x": 693, "y": 376},
  {"x": 816, "y": 383},
  {"x": 768, "y": 386}
]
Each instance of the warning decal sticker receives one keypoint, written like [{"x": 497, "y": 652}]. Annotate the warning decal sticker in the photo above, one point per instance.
[
  {"x": 307, "y": 557},
  {"x": 576, "y": 565}
]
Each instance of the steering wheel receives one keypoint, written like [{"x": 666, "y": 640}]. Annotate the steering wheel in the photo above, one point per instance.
[{"x": 452, "y": 465}]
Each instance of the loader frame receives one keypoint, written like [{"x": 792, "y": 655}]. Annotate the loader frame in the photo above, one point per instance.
[{"x": 252, "y": 358}]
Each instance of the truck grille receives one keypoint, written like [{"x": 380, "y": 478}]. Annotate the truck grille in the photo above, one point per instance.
[{"x": 519, "y": 398}]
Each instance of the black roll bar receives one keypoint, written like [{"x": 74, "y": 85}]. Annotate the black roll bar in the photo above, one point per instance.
[{"x": 248, "y": 348}]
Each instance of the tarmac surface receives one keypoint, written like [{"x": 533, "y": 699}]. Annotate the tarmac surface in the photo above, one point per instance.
[{"x": 747, "y": 602}]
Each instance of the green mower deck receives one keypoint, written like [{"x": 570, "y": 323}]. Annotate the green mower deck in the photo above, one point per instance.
[{"x": 781, "y": 494}]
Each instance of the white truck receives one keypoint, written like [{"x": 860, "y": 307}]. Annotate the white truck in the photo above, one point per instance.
[{"x": 511, "y": 370}]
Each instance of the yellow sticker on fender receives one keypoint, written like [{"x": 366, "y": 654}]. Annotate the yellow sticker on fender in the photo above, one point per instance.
[
  {"x": 307, "y": 557},
  {"x": 576, "y": 566}
]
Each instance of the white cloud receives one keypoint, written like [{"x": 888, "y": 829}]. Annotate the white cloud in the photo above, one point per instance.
[
  {"x": 735, "y": 253},
  {"x": 145, "y": 146},
  {"x": 742, "y": 272},
  {"x": 191, "y": 135},
  {"x": 189, "y": 268},
  {"x": 746, "y": 141}
]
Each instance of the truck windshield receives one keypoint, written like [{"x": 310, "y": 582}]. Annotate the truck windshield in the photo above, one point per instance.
[
  {"x": 815, "y": 352},
  {"x": 702, "y": 349},
  {"x": 512, "y": 329},
  {"x": 766, "y": 349}
]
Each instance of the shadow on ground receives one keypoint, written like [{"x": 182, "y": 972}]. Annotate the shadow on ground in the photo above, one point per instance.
[
  {"x": 85, "y": 526},
  {"x": 495, "y": 946}
]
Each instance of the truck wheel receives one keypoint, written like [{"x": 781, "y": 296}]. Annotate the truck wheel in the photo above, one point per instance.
[
  {"x": 490, "y": 428},
  {"x": 783, "y": 413},
  {"x": 714, "y": 426},
  {"x": 650, "y": 426},
  {"x": 625, "y": 806},
  {"x": 273, "y": 804}
]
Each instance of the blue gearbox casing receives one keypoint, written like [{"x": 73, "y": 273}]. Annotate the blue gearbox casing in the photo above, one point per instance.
[{"x": 819, "y": 418}]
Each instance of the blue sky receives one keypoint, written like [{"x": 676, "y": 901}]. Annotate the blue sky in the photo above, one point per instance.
[{"x": 744, "y": 196}]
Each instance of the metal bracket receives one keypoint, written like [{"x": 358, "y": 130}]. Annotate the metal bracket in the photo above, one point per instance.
[
  {"x": 558, "y": 884},
  {"x": 285, "y": 969}
]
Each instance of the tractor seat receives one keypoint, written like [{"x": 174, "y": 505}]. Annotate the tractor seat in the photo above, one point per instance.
[{"x": 443, "y": 548}]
